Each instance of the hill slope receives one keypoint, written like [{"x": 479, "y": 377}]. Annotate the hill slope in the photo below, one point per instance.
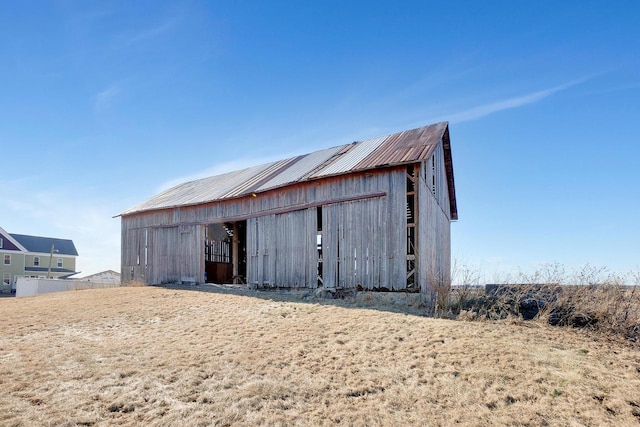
[{"x": 152, "y": 356}]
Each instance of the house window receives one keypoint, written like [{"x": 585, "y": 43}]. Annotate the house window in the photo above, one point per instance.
[
  {"x": 59, "y": 262},
  {"x": 7, "y": 260},
  {"x": 36, "y": 261},
  {"x": 6, "y": 278},
  {"x": 1, "y": 242}
]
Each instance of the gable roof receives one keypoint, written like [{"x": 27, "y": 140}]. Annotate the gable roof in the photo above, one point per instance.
[
  {"x": 9, "y": 243},
  {"x": 112, "y": 273},
  {"x": 43, "y": 244},
  {"x": 401, "y": 148}
]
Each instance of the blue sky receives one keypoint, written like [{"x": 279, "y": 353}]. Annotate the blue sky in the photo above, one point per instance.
[{"x": 106, "y": 103}]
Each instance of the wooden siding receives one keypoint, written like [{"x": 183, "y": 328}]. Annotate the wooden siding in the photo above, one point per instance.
[
  {"x": 157, "y": 255},
  {"x": 286, "y": 255},
  {"x": 364, "y": 233},
  {"x": 436, "y": 179},
  {"x": 434, "y": 238},
  {"x": 281, "y": 250},
  {"x": 364, "y": 241},
  {"x": 300, "y": 196}
]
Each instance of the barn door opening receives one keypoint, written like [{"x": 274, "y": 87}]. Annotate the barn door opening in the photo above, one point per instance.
[
  {"x": 319, "y": 244},
  {"x": 225, "y": 252},
  {"x": 412, "y": 173}
]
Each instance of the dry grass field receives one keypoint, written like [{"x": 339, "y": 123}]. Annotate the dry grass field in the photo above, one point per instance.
[{"x": 153, "y": 356}]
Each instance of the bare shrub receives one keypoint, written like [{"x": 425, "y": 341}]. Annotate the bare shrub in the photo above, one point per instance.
[
  {"x": 435, "y": 294},
  {"x": 465, "y": 291},
  {"x": 608, "y": 307},
  {"x": 592, "y": 275},
  {"x": 592, "y": 297}
]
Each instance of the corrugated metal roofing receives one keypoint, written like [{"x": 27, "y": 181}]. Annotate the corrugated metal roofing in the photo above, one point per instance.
[
  {"x": 300, "y": 168},
  {"x": 201, "y": 190},
  {"x": 347, "y": 161},
  {"x": 405, "y": 147},
  {"x": 400, "y": 148}
]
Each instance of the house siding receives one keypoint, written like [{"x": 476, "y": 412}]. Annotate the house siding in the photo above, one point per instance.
[{"x": 17, "y": 265}]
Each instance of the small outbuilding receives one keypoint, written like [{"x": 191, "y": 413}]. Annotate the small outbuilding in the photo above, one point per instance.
[{"x": 370, "y": 215}]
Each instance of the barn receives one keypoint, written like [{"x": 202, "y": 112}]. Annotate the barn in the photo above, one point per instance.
[{"x": 368, "y": 215}]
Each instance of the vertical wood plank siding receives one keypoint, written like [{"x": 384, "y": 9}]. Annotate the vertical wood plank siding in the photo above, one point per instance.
[
  {"x": 434, "y": 237},
  {"x": 281, "y": 250},
  {"x": 364, "y": 241}
]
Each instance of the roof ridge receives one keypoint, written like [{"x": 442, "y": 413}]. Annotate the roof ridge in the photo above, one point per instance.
[{"x": 394, "y": 149}]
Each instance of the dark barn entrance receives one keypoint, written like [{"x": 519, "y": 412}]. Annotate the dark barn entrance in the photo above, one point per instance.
[{"x": 225, "y": 252}]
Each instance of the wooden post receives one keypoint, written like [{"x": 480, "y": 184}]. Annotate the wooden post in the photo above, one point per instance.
[{"x": 234, "y": 253}]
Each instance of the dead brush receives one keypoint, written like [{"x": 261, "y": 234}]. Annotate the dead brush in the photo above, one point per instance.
[
  {"x": 610, "y": 308},
  {"x": 436, "y": 295},
  {"x": 592, "y": 299}
]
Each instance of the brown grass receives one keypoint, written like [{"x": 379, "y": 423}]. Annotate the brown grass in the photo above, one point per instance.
[{"x": 152, "y": 356}]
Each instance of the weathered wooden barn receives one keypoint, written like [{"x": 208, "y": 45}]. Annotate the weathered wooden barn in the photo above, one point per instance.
[{"x": 372, "y": 214}]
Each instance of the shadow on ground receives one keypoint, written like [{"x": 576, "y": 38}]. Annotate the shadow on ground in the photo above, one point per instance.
[{"x": 394, "y": 302}]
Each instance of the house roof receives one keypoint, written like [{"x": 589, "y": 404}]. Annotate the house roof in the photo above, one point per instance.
[
  {"x": 102, "y": 273},
  {"x": 392, "y": 150},
  {"x": 43, "y": 244}
]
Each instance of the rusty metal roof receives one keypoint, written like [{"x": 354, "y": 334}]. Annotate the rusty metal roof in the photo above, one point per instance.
[{"x": 400, "y": 148}]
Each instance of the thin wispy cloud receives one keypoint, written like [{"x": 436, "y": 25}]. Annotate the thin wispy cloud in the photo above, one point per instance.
[
  {"x": 105, "y": 99},
  {"x": 617, "y": 88},
  {"x": 508, "y": 104},
  {"x": 150, "y": 33},
  {"x": 466, "y": 115}
]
